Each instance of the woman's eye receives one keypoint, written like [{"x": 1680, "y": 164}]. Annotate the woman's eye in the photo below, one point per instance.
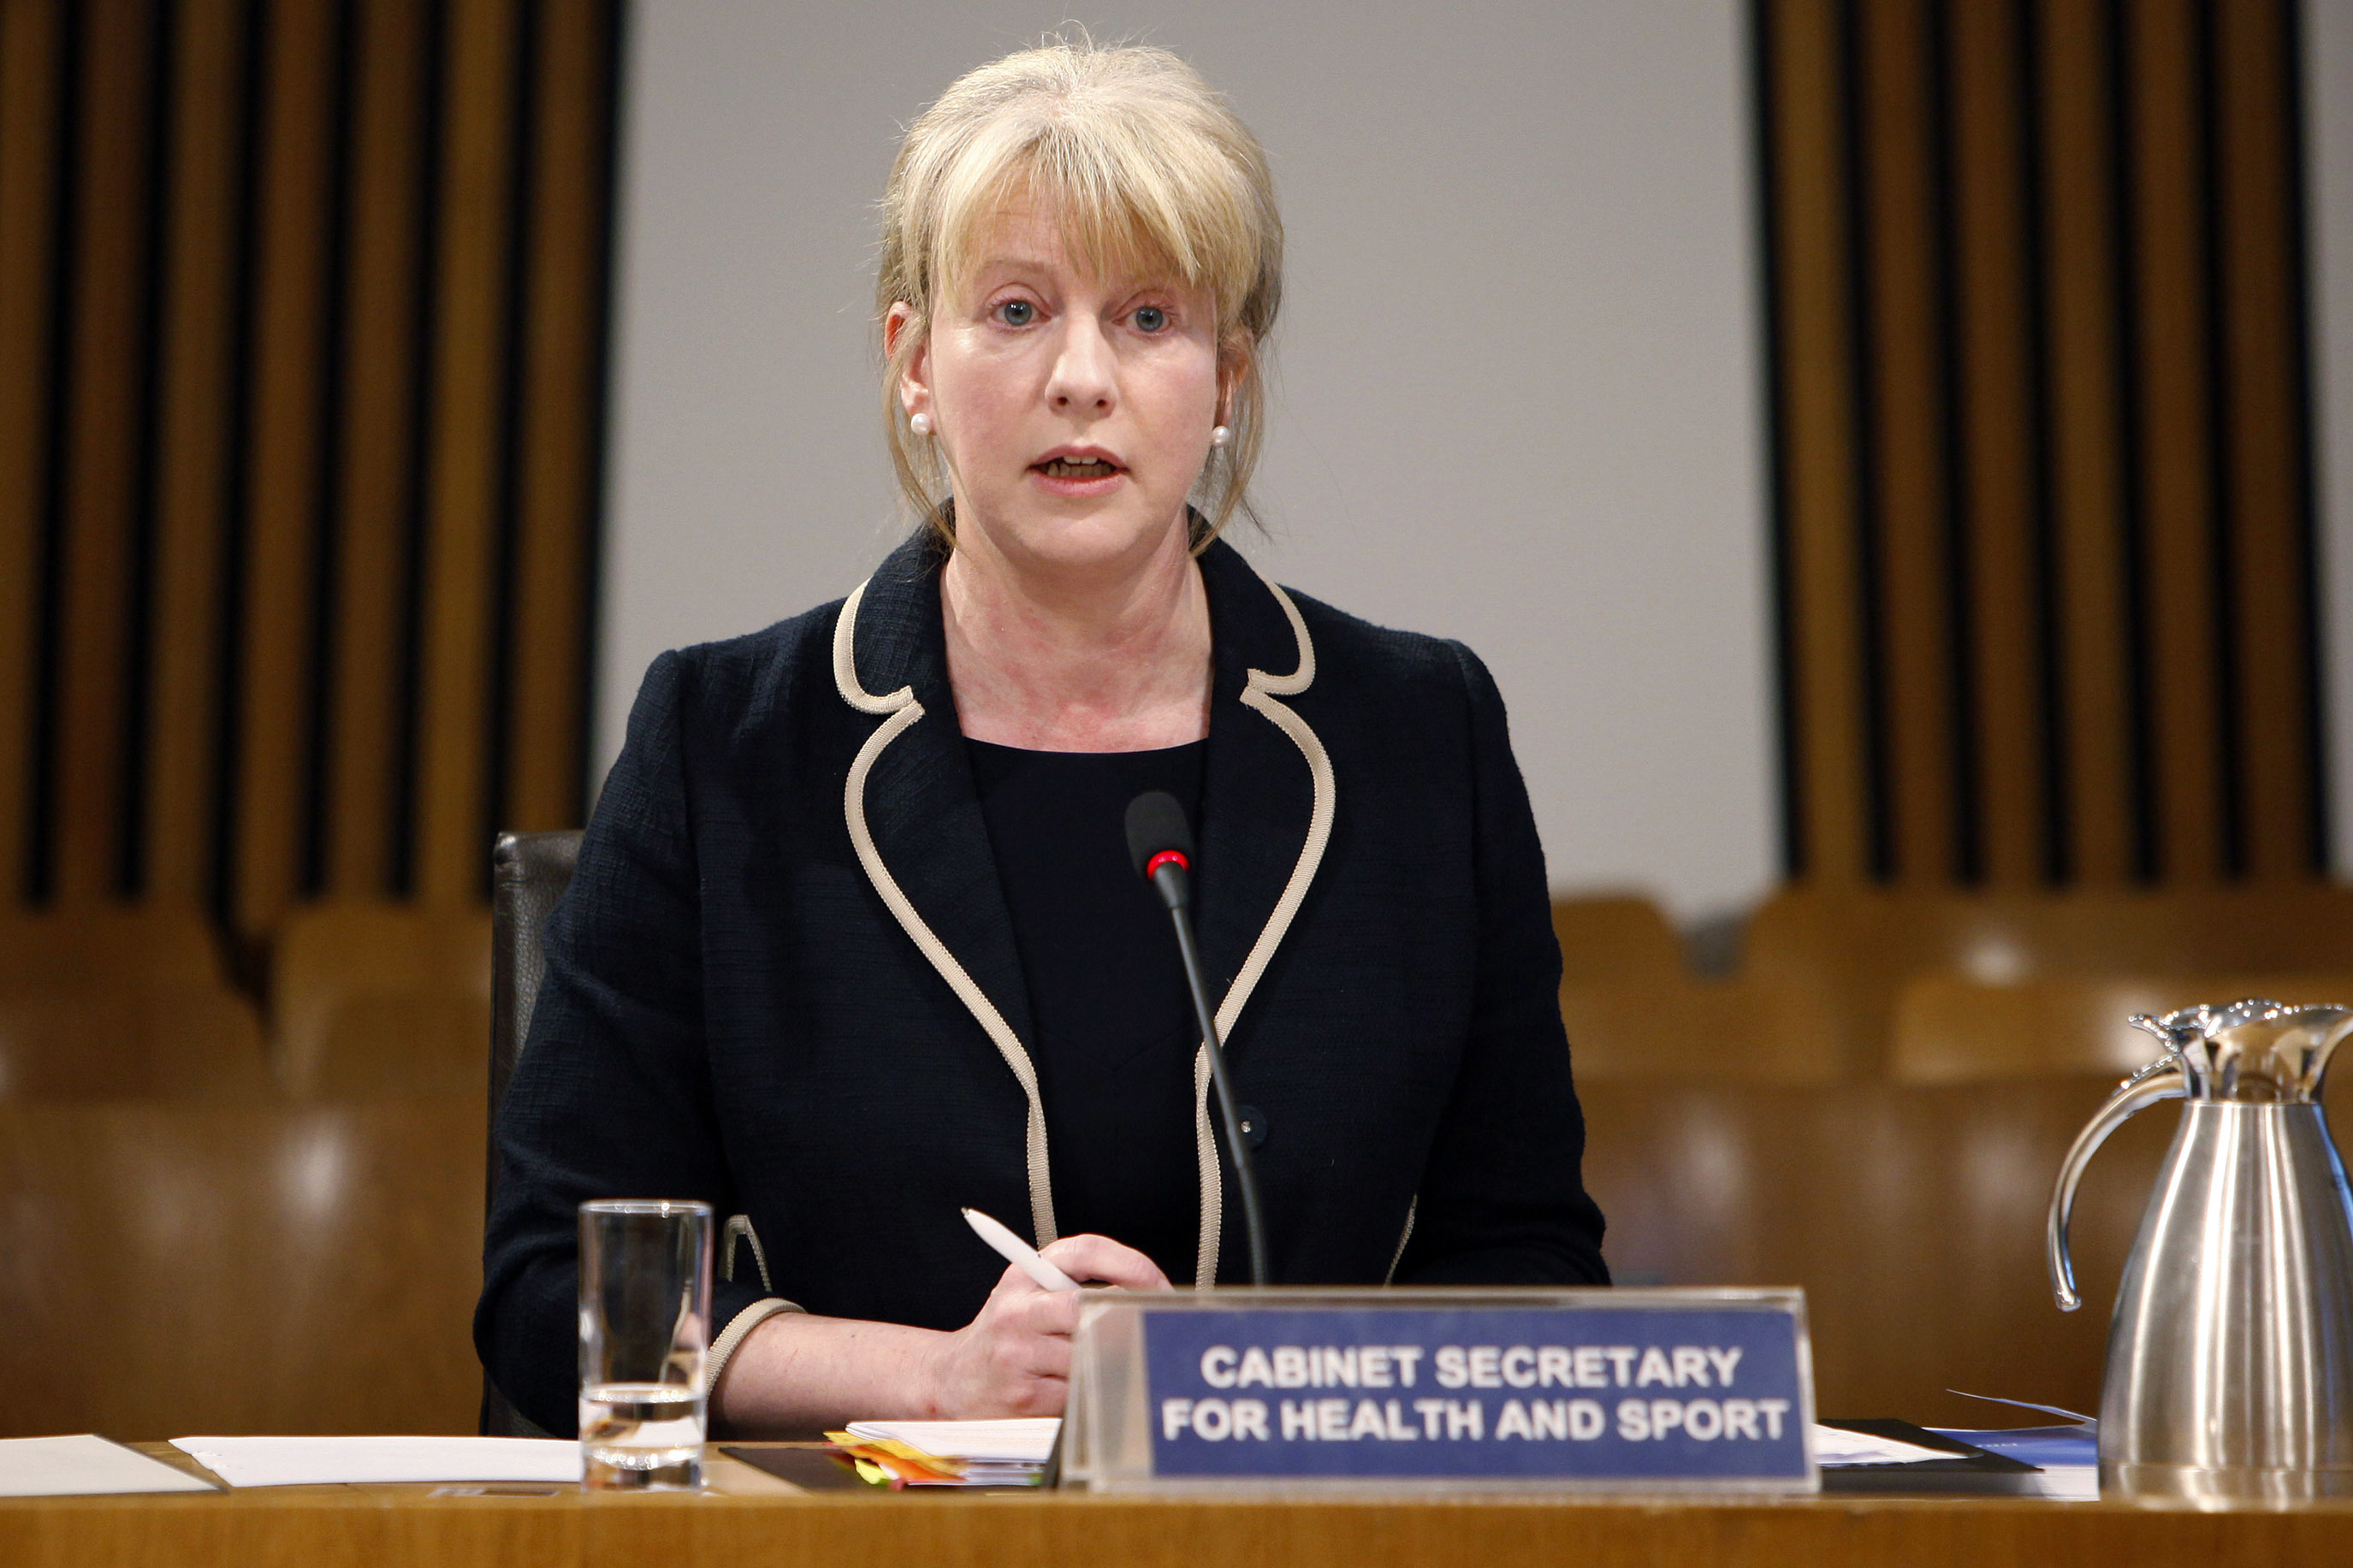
[
  {"x": 1017, "y": 312},
  {"x": 1150, "y": 319}
]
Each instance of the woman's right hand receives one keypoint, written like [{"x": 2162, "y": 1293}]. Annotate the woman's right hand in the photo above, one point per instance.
[{"x": 1014, "y": 1359}]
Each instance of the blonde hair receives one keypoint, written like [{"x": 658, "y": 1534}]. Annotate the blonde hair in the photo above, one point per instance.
[{"x": 1148, "y": 169}]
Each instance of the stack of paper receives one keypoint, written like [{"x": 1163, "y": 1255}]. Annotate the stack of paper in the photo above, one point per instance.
[
  {"x": 952, "y": 1453},
  {"x": 79, "y": 1466},
  {"x": 318, "y": 1461}
]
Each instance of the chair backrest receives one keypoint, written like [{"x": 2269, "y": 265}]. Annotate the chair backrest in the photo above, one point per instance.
[
  {"x": 1913, "y": 1216},
  {"x": 529, "y": 873},
  {"x": 380, "y": 999},
  {"x": 1857, "y": 948},
  {"x": 1616, "y": 939},
  {"x": 108, "y": 945},
  {"x": 1699, "y": 1031},
  {"x": 1952, "y": 1029},
  {"x": 132, "y": 1042},
  {"x": 239, "y": 1267}
]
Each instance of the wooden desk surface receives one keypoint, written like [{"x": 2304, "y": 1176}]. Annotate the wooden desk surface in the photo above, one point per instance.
[{"x": 747, "y": 1519}]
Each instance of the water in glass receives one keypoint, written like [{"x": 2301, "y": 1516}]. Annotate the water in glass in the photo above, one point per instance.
[{"x": 642, "y": 1434}]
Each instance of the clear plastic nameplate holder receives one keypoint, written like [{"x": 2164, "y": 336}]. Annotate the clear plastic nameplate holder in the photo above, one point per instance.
[{"x": 1442, "y": 1390}]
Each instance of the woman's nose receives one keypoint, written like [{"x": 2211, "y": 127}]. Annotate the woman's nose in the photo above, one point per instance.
[{"x": 1083, "y": 382}]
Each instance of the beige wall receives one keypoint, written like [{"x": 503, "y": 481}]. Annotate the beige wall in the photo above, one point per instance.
[
  {"x": 1517, "y": 398},
  {"x": 2328, "y": 187}
]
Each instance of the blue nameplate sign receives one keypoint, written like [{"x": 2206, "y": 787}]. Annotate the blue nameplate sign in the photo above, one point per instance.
[{"x": 1592, "y": 1387}]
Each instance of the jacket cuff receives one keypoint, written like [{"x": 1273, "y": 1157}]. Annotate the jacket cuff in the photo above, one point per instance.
[{"x": 739, "y": 1328}]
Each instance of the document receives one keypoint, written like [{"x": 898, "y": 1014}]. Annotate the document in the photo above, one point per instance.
[
  {"x": 327, "y": 1461},
  {"x": 1836, "y": 1446},
  {"x": 952, "y": 1453},
  {"x": 85, "y": 1466},
  {"x": 2069, "y": 1456}
]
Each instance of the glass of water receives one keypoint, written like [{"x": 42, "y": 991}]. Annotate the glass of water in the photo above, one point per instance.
[{"x": 645, "y": 1330}]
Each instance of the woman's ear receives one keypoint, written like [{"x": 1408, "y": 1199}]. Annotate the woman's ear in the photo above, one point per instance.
[
  {"x": 1233, "y": 368},
  {"x": 914, "y": 383}
]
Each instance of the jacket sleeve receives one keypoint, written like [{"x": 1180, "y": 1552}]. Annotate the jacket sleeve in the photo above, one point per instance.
[
  {"x": 612, "y": 1095},
  {"x": 1503, "y": 1197}
]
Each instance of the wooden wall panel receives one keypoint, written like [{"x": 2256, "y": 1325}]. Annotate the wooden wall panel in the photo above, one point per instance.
[
  {"x": 281, "y": 523},
  {"x": 2096, "y": 754},
  {"x": 1803, "y": 65},
  {"x": 376, "y": 488},
  {"x": 194, "y": 440},
  {"x": 302, "y": 345},
  {"x": 32, "y": 81},
  {"x": 1902, "y": 431},
  {"x": 105, "y": 310},
  {"x": 2076, "y": 408},
  {"x": 1998, "y": 491},
  {"x": 559, "y": 427},
  {"x": 2266, "y": 483},
  {"x": 468, "y": 433},
  {"x": 2182, "y": 608}
]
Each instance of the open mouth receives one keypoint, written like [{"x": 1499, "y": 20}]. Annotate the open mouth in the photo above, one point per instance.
[{"x": 1070, "y": 469}]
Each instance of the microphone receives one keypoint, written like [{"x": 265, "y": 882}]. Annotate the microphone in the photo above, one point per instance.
[{"x": 1160, "y": 843}]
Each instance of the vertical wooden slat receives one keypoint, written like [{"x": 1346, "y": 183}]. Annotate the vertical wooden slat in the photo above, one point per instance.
[
  {"x": 377, "y": 487},
  {"x": 2072, "y": 421},
  {"x": 557, "y": 457},
  {"x": 193, "y": 441},
  {"x": 462, "y": 474},
  {"x": 1811, "y": 197},
  {"x": 2255, "y": 232},
  {"x": 1898, "y": 182},
  {"x": 2080, "y": 263},
  {"x": 2168, "y": 280},
  {"x": 289, "y": 337},
  {"x": 104, "y": 367},
  {"x": 30, "y": 49},
  {"x": 1998, "y": 460}
]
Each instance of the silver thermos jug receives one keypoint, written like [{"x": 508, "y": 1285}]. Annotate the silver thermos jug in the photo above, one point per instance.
[{"x": 2230, "y": 1374}]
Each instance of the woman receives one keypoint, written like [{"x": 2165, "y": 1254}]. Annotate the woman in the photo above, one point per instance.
[{"x": 854, "y": 941}]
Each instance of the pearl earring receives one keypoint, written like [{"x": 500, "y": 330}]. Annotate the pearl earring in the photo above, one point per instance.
[
  {"x": 1220, "y": 435},
  {"x": 920, "y": 424}
]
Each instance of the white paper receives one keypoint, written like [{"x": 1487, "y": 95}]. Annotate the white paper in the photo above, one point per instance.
[
  {"x": 85, "y": 1466},
  {"x": 1835, "y": 1446},
  {"x": 2067, "y": 1483},
  {"x": 1026, "y": 1441},
  {"x": 325, "y": 1461}
]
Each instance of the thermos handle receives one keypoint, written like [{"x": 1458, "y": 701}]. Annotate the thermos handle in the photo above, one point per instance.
[{"x": 2161, "y": 1079}]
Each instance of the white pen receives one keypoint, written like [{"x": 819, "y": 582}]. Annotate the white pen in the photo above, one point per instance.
[{"x": 1019, "y": 1253}]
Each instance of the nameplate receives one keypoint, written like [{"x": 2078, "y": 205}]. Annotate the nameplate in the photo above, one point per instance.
[{"x": 1594, "y": 1388}]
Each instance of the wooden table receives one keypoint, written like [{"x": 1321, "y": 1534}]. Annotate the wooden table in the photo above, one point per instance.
[{"x": 748, "y": 1518}]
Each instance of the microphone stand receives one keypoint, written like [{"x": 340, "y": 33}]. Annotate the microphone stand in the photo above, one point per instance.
[{"x": 1168, "y": 879}]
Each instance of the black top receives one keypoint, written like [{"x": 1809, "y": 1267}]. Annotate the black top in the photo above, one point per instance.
[{"x": 1114, "y": 1036}]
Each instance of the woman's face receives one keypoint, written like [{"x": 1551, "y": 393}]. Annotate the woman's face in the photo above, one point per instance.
[{"x": 1073, "y": 410}]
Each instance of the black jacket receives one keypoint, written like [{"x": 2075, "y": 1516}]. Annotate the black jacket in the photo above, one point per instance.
[{"x": 783, "y": 980}]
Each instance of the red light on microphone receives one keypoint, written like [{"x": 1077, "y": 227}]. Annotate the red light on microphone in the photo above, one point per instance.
[{"x": 1152, "y": 867}]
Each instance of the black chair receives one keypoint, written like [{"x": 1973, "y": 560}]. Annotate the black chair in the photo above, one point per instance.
[{"x": 529, "y": 873}]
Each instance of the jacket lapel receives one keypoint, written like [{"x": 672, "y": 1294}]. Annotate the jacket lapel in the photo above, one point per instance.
[
  {"x": 1258, "y": 792},
  {"x": 925, "y": 811},
  {"x": 921, "y": 814},
  {"x": 1267, "y": 806}
]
